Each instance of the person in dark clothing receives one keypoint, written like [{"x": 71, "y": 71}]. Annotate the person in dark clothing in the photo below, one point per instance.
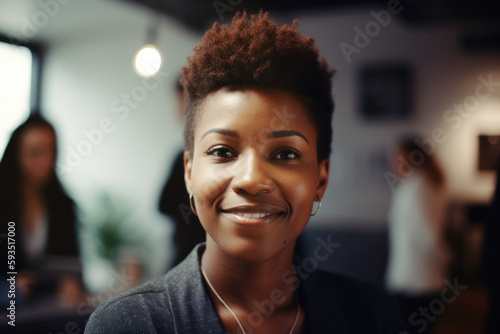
[
  {"x": 257, "y": 143},
  {"x": 491, "y": 256},
  {"x": 179, "y": 302},
  {"x": 174, "y": 202},
  {"x": 37, "y": 217}
]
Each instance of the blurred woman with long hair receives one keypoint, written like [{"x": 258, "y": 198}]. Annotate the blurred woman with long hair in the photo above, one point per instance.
[{"x": 34, "y": 204}]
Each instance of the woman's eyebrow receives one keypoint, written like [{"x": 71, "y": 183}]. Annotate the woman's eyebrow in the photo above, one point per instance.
[
  {"x": 274, "y": 134},
  {"x": 287, "y": 133},
  {"x": 225, "y": 132}
]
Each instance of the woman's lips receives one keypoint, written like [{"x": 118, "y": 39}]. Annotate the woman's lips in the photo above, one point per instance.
[{"x": 260, "y": 215}]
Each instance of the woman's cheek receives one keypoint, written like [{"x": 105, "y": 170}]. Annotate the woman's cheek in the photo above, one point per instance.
[
  {"x": 302, "y": 194},
  {"x": 299, "y": 184},
  {"x": 301, "y": 190},
  {"x": 211, "y": 183}
]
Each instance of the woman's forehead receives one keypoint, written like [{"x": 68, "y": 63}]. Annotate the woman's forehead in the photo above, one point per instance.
[
  {"x": 253, "y": 107},
  {"x": 36, "y": 133}
]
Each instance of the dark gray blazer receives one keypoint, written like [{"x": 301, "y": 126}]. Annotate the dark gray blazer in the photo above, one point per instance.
[{"x": 178, "y": 302}]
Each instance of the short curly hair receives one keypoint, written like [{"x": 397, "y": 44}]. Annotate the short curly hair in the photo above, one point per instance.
[{"x": 255, "y": 52}]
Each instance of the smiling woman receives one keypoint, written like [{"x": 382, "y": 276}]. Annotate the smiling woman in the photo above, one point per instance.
[
  {"x": 265, "y": 181},
  {"x": 257, "y": 146}
]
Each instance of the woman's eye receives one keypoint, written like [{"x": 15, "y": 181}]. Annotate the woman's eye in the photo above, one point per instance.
[
  {"x": 220, "y": 152},
  {"x": 287, "y": 155}
]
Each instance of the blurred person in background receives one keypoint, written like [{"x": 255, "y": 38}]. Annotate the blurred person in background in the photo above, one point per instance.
[
  {"x": 491, "y": 256},
  {"x": 419, "y": 257},
  {"x": 174, "y": 200},
  {"x": 33, "y": 201}
]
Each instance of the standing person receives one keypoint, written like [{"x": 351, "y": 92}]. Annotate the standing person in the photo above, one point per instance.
[
  {"x": 491, "y": 256},
  {"x": 174, "y": 201},
  {"x": 257, "y": 146},
  {"x": 419, "y": 257},
  {"x": 33, "y": 201}
]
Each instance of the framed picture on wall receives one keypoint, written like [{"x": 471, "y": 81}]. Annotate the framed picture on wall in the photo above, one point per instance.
[
  {"x": 386, "y": 92},
  {"x": 489, "y": 152}
]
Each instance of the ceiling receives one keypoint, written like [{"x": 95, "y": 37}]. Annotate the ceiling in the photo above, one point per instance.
[
  {"x": 198, "y": 14},
  {"x": 479, "y": 20}
]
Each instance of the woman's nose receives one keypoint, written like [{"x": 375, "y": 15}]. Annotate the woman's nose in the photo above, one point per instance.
[{"x": 251, "y": 175}]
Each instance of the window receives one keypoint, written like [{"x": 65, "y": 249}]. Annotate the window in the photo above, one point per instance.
[{"x": 15, "y": 88}]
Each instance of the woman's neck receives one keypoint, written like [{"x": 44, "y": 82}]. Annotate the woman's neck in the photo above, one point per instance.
[
  {"x": 246, "y": 284},
  {"x": 32, "y": 205},
  {"x": 30, "y": 189}
]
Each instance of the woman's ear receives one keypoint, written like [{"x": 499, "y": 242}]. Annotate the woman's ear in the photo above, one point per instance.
[
  {"x": 187, "y": 172},
  {"x": 323, "y": 170}
]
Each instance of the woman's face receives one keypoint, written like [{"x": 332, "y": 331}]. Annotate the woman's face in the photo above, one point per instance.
[
  {"x": 37, "y": 155},
  {"x": 254, "y": 173}
]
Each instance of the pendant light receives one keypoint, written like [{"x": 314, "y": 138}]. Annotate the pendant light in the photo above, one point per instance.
[{"x": 148, "y": 59}]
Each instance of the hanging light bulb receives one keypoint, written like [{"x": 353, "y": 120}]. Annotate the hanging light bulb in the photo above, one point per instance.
[{"x": 148, "y": 60}]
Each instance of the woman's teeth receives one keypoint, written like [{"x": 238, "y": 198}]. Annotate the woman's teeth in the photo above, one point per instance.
[{"x": 254, "y": 215}]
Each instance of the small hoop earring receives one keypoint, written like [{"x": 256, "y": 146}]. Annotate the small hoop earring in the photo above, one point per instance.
[
  {"x": 191, "y": 203},
  {"x": 317, "y": 210}
]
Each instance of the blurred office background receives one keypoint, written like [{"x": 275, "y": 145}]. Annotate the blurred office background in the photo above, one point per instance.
[{"x": 118, "y": 132}]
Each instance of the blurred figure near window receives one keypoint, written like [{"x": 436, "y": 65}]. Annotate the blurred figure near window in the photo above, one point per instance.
[
  {"x": 33, "y": 199},
  {"x": 419, "y": 257},
  {"x": 491, "y": 260}
]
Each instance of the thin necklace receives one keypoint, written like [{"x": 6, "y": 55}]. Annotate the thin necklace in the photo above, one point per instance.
[{"x": 234, "y": 315}]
